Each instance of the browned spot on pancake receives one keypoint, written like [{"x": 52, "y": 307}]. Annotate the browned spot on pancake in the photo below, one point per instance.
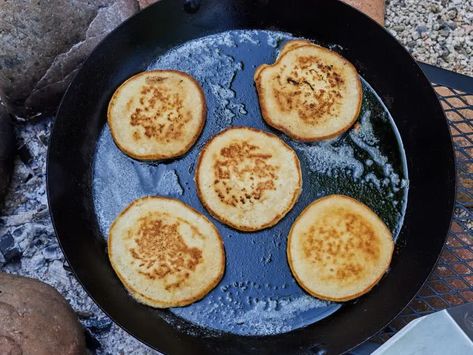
[
  {"x": 243, "y": 174},
  {"x": 162, "y": 252},
  {"x": 341, "y": 245},
  {"x": 136, "y": 135},
  {"x": 161, "y": 113},
  {"x": 312, "y": 89}
]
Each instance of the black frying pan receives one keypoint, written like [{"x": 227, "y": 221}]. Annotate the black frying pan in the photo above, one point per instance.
[{"x": 381, "y": 61}]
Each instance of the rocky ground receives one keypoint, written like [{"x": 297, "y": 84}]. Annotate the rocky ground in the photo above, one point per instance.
[
  {"x": 28, "y": 245},
  {"x": 438, "y": 32}
]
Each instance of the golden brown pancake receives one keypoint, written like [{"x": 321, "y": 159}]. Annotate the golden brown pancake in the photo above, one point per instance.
[
  {"x": 338, "y": 248},
  {"x": 247, "y": 178},
  {"x": 165, "y": 253},
  {"x": 311, "y": 93},
  {"x": 157, "y": 114}
]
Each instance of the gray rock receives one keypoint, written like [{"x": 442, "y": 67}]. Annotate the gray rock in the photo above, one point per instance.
[
  {"x": 452, "y": 25},
  {"x": 444, "y": 53},
  {"x": 33, "y": 33},
  {"x": 444, "y": 33},
  {"x": 399, "y": 28},
  {"x": 434, "y": 8},
  {"x": 458, "y": 46},
  {"x": 44, "y": 42},
  {"x": 452, "y": 13},
  {"x": 8, "y": 248},
  {"x": 51, "y": 252},
  {"x": 421, "y": 29},
  {"x": 98, "y": 325}
]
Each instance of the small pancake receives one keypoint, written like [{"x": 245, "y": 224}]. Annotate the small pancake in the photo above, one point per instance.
[
  {"x": 338, "y": 248},
  {"x": 286, "y": 48},
  {"x": 165, "y": 253},
  {"x": 247, "y": 178},
  {"x": 310, "y": 93},
  {"x": 157, "y": 114}
]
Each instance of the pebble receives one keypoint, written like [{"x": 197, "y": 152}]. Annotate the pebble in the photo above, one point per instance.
[
  {"x": 51, "y": 252},
  {"x": 452, "y": 25},
  {"x": 434, "y": 8},
  {"x": 444, "y": 33},
  {"x": 84, "y": 314},
  {"x": 399, "y": 28},
  {"x": 421, "y": 29},
  {"x": 452, "y": 14},
  {"x": 98, "y": 325}
]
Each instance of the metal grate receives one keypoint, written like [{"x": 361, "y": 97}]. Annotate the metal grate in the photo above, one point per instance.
[{"x": 451, "y": 283}]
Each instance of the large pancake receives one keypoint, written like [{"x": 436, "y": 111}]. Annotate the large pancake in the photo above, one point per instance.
[
  {"x": 310, "y": 93},
  {"x": 338, "y": 248},
  {"x": 157, "y": 114},
  {"x": 247, "y": 178},
  {"x": 165, "y": 253}
]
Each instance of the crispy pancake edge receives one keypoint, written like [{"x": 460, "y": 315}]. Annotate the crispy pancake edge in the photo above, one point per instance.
[{"x": 294, "y": 42}]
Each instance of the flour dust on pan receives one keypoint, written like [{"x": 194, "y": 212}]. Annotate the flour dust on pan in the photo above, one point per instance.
[{"x": 257, "y": 295}]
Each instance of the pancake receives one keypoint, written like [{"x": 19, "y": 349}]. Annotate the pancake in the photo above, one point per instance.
[
  {"x": 165, "y": 253},
  {"x": 338, "y": 248},
  {"x": 310, "y": 93},
  {"x": 287, "y": 47},
  {"x": 247, "y": 178},
  {"x": 157, "y": 114}
]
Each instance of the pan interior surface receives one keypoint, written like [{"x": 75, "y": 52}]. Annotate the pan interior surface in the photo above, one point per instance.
[{"x": 258, "y": 295}]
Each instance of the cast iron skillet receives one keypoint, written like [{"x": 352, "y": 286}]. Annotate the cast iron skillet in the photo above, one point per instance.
[{"x": 380, "y": 60}]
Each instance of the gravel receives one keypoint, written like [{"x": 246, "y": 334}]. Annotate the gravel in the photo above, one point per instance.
[{"x": 438, "y": 32}]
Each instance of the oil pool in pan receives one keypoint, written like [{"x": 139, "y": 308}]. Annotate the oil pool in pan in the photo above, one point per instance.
[{"x": 258, "y": 295}]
